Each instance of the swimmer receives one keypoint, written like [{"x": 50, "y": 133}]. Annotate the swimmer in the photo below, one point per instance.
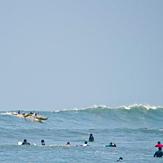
[
  {"x": 42, "y": 142},
  {"x": 91, "y": 138},
  {"x": 25, "y": 142},
  {"x": 158, "y": 153}
]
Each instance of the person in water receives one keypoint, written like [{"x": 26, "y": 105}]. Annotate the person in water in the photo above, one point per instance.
[
  {"x": 42, "y": 142},
  {"x": 111, "y": 145},
  {"x": 85, "y": 144},
  {"x": 120, "y": 159},
  {"x": 25, "y": 142},
  {"x": 159, "y": 144},
  {"x": 91, "y": 138},
  {"x": 68, "y": 144},
  {"x": 158, "y": 153}
]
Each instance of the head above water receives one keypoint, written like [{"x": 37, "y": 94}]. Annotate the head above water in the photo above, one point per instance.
[
  {"x": 85, "y": 142},
  {"x": 25, "y": 140},
  {"x": 42, "y": 142},
  {"x": 158, "y": 142},
  {"x": 68, "y": 143}
]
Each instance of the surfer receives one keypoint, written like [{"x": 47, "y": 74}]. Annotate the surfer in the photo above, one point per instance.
[
  {"x": 91, "y": 138},
  {"x": 158, "y": 153},
  {"x": 68, "y": 144},
  {"x": 111, "y": 145},
  {"x": 120, "y": 159},
  {"x": 42, "y": 142},
  {"x": 25, "y": 142},
  {"x": 85, "y": 144},
  {"x": 159, "y": 144}
]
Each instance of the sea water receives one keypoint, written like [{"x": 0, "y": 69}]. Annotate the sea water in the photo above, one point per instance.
[{"x": 134, "y": 129}]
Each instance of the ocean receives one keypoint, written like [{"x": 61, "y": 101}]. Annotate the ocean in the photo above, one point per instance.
[{"x": 134, "y": 129}]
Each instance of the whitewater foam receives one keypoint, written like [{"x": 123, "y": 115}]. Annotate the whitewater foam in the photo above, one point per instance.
[{"x": 103, "y": 107}]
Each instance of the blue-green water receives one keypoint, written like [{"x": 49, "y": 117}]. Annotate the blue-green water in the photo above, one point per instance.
[{"x": 135, "y": 130}]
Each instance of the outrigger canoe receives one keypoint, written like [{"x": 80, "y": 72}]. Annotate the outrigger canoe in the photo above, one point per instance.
[{"x": 33, "y": 117}]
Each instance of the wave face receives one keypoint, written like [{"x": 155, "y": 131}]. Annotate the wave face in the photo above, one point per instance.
[{"x": 133, "y": 116}]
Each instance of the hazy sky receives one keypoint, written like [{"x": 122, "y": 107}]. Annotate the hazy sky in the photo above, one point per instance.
[{"x": 76, "y": 53}]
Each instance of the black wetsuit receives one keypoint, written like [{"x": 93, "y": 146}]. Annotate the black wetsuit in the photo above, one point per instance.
[
  {"x": 25, "y": 143},
  {"x": 111, "y": 145},
  {"x": 42, "y": 143},
  {"x": 91, "y": 138},
  {"x": 159, "y": 153}
]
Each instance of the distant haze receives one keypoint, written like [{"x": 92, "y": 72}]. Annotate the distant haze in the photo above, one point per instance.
[{"x": 77, "y": 53}]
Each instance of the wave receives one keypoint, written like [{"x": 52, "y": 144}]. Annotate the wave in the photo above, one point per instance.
[
  {"x": 105, "y": 107},
  {"x": 93, "y": 108},
  {"x": 97, "y": 116}
]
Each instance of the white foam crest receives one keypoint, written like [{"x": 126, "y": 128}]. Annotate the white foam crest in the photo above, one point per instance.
[
  {"x": 67, "y": 110},
  {"x": 97, "y": 107},
  {"x": 94, "y": 107},
  {"x": 82, "y": 109},
  {"x": 143, "y": 106}
]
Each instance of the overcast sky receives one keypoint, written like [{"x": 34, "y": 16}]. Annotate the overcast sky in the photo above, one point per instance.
[{"x": 77, "y": 53}]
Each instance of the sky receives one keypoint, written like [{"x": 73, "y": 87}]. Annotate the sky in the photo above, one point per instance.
[{"x": 79, "y": 53}]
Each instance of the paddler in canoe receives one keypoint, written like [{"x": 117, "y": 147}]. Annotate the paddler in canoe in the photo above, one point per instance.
[{"x": 35, "y": 115}]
